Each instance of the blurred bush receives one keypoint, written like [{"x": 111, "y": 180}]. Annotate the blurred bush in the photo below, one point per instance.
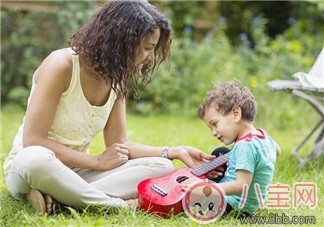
[
  {"x": 194, "y": 67},
  {"x": 255, "y": 57},
  {"x": 197, "y": 66},
  {"x": 27, "y": 37}
]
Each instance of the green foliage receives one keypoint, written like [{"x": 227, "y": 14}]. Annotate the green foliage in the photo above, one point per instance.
[
  {"x": 27, "y": 37},
  {"x": 190, "y": 76},
  {"x": 19, "y": 53},
  {"x": 182, "y": 14},
  {"x": 240, "y": 18},
  {"x": 195, "y": 65}
]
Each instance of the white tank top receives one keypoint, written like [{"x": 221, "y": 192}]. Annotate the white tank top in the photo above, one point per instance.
[{"x": 76, "y": 121}]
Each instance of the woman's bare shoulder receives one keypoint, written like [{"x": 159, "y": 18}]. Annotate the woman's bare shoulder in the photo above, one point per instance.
[
  {"x": 60, "y": 59},
  {"x": 57, "y": 66}
]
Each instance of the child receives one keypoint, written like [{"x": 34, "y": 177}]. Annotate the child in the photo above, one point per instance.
[{"x": 229, "y": 111}]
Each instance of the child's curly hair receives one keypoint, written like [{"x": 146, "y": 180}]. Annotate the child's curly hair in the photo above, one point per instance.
[
  {"x": 228, "y": 95},
  {"x": 110, "y": 41}
]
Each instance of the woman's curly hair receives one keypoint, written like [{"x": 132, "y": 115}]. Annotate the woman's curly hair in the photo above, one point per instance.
[{"x": 111, "y": 40}]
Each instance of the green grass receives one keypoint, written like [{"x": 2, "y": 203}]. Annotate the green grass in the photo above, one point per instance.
[{"x": 162, "y": 130}]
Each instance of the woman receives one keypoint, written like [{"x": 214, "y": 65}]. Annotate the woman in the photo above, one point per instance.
[{"x": 81, "y": 90}]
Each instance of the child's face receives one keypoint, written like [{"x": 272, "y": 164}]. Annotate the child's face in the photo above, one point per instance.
[{"x": 223, "y": 127}]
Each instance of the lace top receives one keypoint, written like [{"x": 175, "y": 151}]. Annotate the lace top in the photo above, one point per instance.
[{"x": 76, "y": 121}]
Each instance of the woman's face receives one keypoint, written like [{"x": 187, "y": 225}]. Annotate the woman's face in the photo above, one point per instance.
[{"x": 147, "y": 51}]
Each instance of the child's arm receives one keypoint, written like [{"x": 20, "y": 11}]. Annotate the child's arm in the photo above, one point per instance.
[{"x": 235, "y": 187}]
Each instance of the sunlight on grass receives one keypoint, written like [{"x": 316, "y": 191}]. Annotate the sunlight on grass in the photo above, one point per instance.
[{"x": 162, "y": 131}]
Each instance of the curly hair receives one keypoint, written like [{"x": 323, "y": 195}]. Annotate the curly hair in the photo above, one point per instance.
[
  {"x": 111, "y": 40},
  {"x": 228, "y": 95}
]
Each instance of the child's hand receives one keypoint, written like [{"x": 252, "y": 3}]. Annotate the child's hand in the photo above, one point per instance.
[
  {"x": 215, "y": 173},
  {"x": 185, "y": 185}
]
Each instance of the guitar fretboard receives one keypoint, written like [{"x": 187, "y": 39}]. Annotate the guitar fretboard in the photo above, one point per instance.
[{"x": 205, "y": 168}]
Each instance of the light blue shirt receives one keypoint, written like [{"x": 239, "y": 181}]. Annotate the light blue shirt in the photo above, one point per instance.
[{"x": 257, "y": 155}]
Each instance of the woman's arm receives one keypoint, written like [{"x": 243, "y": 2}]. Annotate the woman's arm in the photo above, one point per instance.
[
  {"x": 115, "y": 132},
  {"x": 190, "y": 156}
]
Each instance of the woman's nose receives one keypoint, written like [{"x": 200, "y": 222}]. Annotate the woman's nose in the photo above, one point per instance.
[{"x": 151, "y": 56}]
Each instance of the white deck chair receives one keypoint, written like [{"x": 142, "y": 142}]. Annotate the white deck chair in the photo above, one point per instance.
[{"x": 309, "y": 87}]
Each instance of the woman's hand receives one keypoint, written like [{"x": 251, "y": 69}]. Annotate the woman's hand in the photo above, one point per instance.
[
  {"x": 190, "y": 156},
  {"x": 114, "y": 155}
]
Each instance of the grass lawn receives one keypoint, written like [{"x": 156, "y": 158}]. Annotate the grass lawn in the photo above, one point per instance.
[{"x": 161, "y": 131}]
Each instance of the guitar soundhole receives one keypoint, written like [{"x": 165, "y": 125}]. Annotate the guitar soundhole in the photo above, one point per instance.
[{"x": 181, "y": 179}]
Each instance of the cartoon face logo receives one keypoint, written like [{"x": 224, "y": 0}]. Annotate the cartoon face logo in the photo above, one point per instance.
[{"x": 204, "y": 202}]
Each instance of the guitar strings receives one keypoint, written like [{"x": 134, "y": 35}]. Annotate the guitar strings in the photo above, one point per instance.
[
  {"x": 196, "y": 172},
  {"x": 166, "y": 185}
]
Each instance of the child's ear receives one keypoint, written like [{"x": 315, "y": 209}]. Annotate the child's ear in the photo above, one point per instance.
[{"x": 237, "y": 113}]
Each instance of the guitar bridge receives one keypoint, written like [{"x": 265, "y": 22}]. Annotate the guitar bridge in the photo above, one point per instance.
[{"x": 159, "y": 190}]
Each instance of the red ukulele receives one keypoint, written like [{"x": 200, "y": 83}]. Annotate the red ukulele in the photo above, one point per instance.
[{"x": 163, "y": 195}]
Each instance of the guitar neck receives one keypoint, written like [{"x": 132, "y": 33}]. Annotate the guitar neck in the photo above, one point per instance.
[{"x": 207, "y": 167}]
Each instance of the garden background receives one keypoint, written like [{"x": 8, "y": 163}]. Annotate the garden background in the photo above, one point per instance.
[{"x": 213, "y": 41}]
